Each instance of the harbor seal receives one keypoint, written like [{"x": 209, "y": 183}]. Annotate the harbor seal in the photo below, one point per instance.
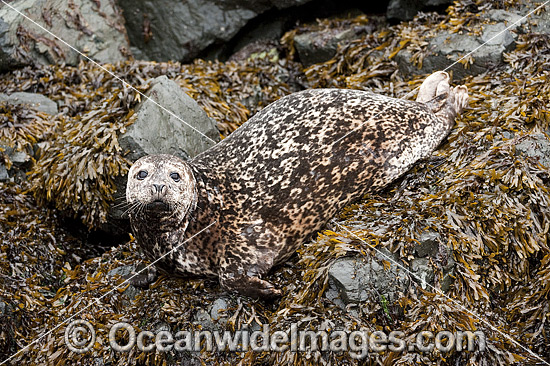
[{"x": 280, "y": 177}]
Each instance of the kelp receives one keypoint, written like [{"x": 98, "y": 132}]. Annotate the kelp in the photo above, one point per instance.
[{"x": 487, "y": 199}]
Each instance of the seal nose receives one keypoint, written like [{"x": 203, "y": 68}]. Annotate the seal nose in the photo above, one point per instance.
[{"x": 159, "y": 187}]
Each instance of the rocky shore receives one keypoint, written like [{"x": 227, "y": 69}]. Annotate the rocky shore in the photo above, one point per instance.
[{"x": 468, "y": 227}]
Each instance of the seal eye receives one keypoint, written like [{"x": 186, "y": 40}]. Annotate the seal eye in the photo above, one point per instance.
[
  {"x": 175, "y": 176},
  {"x": 142, "y": 174}
]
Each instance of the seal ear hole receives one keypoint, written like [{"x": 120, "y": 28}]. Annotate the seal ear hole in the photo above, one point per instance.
[
  {"x": 175, "y": 176},
  {"x": 142, "y": 174}
]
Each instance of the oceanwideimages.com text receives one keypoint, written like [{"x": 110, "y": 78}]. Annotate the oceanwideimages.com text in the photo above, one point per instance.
[{"x": 80, "y": 337}]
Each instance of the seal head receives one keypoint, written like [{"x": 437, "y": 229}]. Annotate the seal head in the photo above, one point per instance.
[{"x": 161, "y": 190}]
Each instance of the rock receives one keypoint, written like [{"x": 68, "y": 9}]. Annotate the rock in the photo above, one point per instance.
[
  {"x": 407, "y": 9},
  {"x": 19, "y": 162},
  {"x": 156, "y": 131},
  {"x": 202, "y": 317},
  {"x": 444, "y": 48},
  {"x": 217, "y": 310},
  {"x": 93, "y": 27},
  {"x": 540, "y": 23},
  {"x": 35, "y": 101},
  {"x": 3, "y": 308},
  {"x": 136, "y": 282},
  {"x": 360, "y": 279},
  {"x": 321, "y": 46},
  {"x": 422, "y": 272},
  {"x": 428, "y": 244},
  {"x": 535, "y": 146},
  {"x": 190, "y": 26},
  {"x": 263, "y": 49},
  {"x": 3, "y": 173}
]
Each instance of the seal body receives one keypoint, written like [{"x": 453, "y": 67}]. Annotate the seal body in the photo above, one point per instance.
[{"x": 252, "y": 199}]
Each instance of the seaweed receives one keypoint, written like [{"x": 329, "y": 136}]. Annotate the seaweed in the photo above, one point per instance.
[{"x": 486, "y": 199}]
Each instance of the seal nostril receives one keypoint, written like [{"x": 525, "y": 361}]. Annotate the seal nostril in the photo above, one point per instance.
[{"x": 159, "y": 187}]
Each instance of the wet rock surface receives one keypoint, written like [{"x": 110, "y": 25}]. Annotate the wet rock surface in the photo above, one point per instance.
[
  {"x": 536, "y": 146},
  {"x": 497, "y": 33},
  {"x": 94, "y": 27},
  {"x": 317, "y": 47},
  {"x": 359, "y": 279}
]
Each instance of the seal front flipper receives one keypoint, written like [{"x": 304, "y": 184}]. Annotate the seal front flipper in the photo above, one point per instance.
[
  {"x": 253, "y": 287},
  {"x": 245, "y": 260}
]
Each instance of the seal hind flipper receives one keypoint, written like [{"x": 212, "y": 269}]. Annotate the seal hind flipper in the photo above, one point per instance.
[{"x": 445, "y": 102}]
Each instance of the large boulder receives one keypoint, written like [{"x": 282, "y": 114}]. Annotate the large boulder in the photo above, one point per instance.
[
  {"x": 93, "y": 27},
  {"x": 190, "y": 26},
  {"x": 157, "y": 130}
]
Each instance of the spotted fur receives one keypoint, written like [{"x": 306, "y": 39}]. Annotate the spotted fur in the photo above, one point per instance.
[{"x": 281, "y": 176}]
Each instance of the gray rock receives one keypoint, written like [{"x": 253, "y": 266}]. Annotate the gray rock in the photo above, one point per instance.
[
  {"x": 97, "y": 31},
  {"x": 157, "y": 131},
  {"x": 3, "y": 308},
  {"x": 423, "y": 272},
  {"x": 540, "y": 22},
  {"x": 20, "y": 162},
  {"x": 407, "y": 9},
  {"x": 190, "y": 26},
  {"x": 217, "y": 310},
  {"x": 428, "y": 244},
  {"x": 333, "y": 294},
  {"x": 122, "y": 271},
  {"x": 447, "y": 281},
  {"x": 508, "y": 17},
  {"x": 360, "y": 279},
  {"x": 136, "y": 281},
  {"x": 535, "y": 146},
  {"x": 19, "y": 157},
  {"x": 4, "y": 176},
  {"x": 321, "y": 46},
  {"x": 36, "y": 101},
  {"x": 444, "y": 48},
  {"x": 202, "y": 317},
  {"x": 446, "y": 265}
]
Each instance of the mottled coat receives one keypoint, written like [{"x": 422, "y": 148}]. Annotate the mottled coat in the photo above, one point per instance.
[{"x": 281, "y": 176}]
